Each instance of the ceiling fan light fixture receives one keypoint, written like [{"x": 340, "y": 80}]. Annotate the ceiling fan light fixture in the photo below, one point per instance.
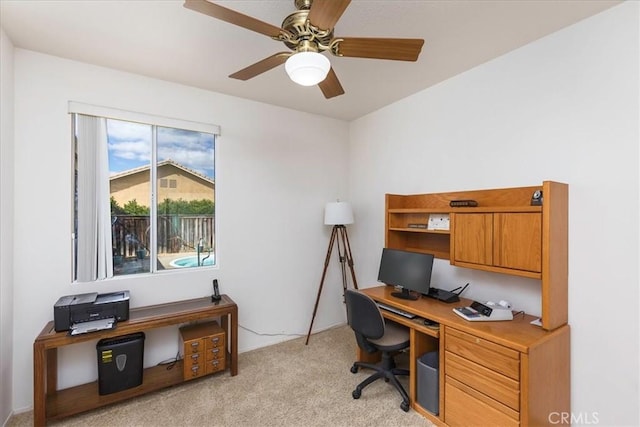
[{"x": 307, "y": 68}]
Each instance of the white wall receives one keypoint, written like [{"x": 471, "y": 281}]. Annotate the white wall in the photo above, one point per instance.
[
  {"x": 276, "y": 170},
  {"x": 564, "y": 108},
  {"x": 6, "y": 224}
]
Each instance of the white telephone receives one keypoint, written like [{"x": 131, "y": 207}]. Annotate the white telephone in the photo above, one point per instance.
[{"x": 487, "y": 312}]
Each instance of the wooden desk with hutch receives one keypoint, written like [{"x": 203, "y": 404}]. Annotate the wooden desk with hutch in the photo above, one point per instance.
[
  {"x": 50, "y": 403},
  {"x": 491, "y": 373}
]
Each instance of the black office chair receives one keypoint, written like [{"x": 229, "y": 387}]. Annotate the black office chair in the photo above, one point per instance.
[{"x": 374, "y": 334}]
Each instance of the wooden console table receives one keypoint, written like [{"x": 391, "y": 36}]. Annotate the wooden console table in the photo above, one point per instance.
[{"x": 50, "y": 403}]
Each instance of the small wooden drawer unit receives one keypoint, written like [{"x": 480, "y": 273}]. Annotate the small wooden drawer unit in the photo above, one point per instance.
[
  {"x": 204, "y": 347},
  {"x": 482, "y": 378}
]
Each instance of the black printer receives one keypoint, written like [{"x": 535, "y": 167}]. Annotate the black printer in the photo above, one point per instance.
[{"x": 72, "y": 310}]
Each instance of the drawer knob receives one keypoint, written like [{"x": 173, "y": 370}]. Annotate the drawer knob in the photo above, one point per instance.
[
  {"x": 194, "y": 344},
  {"x": 195, "y": 356}
]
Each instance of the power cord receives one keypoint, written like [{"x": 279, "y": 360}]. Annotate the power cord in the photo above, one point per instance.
[
  {"x": 171, "y": 362},
  {"x": 266, "y": 334}
]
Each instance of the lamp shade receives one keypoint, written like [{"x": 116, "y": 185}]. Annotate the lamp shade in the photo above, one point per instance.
[
  {"x": 307, "y": 68},
  {"x": 338, "y": 213}
]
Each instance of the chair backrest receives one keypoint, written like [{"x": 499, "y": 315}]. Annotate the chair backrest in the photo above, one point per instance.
[{"x": 364, "y": 317}]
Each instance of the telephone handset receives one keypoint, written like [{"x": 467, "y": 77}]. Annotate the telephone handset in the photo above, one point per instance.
[{"x": 216, "y": 291}]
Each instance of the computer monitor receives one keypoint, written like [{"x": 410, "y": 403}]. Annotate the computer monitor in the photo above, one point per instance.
[{"x": 409, "y": 270}]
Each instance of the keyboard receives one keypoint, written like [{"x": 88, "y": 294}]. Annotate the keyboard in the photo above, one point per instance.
[{"x": 396, "y": 310}]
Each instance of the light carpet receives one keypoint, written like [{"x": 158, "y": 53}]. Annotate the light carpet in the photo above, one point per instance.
[{"x": 287, "y": 384}]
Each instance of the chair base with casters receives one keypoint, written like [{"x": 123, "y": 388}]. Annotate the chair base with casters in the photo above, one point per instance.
[
  {"x": 385, "y": 369},
  {"x": 374, "y": 334}
]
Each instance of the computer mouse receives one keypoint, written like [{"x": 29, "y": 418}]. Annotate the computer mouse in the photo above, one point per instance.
[{"x": 428, "y": 322}]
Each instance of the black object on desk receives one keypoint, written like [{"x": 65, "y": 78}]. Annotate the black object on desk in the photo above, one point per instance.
[
  {"x": 447, "y": 296},
  {"x": 444, "y": 296}
]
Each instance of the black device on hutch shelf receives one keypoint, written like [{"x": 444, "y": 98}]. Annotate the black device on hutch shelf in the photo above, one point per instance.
[
  {"x": 216, "y": 291},
  {"x": 536, "y": 198},
  {"x": 409, "y": 270},
  {"x": 463, "y": 203}
]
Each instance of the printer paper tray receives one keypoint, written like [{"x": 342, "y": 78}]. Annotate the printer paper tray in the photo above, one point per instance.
[{"x": 92, "y": 326}]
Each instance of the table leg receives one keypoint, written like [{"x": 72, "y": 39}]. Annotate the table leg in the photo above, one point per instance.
[
  {"x": 39, "y": 384},
  {"x": 234, "y": 341}
]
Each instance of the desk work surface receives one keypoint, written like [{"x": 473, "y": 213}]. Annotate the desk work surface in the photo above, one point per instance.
[
  {"x": 518, "y": 333},
  {"x": 149, "y": 317}
]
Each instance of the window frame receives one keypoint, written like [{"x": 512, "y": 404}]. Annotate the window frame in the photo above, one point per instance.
[{"x": 75, "y": 107}]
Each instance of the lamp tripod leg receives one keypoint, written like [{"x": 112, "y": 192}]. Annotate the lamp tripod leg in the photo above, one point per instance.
[
  {"x": 339, "y": 235},
  {"x": 334, "y": 234},
  {"x": 349, "y": 257}
]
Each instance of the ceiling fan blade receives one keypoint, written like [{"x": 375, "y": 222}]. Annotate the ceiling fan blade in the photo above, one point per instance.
[
  {"x": 331, "y": 86},
  {"x": 261, "y": 66},
  {"x": 379, "y": 48},
  {"x": 325, "y": 13},
  {"x": 233, "y": 17}
]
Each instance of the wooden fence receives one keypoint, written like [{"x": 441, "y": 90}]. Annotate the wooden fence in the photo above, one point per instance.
[{"x": 176, "y": 233}]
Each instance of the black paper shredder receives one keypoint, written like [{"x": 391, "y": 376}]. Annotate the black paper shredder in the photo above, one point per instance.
[{"x": 120, "y": 362}]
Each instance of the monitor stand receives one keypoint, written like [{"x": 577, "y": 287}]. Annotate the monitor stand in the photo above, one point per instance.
[{"x": 405, "y": 294}]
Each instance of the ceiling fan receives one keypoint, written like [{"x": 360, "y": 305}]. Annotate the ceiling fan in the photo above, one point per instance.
[{"x": 307, "y": 32}]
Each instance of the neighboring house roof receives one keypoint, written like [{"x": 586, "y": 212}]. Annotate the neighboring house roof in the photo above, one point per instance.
[{"x": 162, "y": 163}]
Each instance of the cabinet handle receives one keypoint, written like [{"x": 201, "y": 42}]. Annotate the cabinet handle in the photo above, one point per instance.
[
  {"x": 215, "y": 340},
  {"x": 195, "y": 344},
  {"x": 195, "y": 356}
]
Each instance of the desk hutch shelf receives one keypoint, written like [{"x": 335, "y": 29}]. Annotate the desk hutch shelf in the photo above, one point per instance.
[{"x": 503, "y": 234}]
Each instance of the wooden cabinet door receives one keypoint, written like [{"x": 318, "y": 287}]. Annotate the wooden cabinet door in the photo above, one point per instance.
[
  {"x": 472, "y": 238},
  {"x": 517, "y": 241}
]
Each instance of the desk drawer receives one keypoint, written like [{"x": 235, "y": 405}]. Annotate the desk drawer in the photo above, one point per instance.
[
  {"x": 216, "y": 340},
  {"x": 497, "y": 386},
  {"x": 464, "y": 409},
  {"x": 193, "y": 347},
  {"x": 215, "y": 365},
  {"x": 215, "y": 353},
  {"x": 493, "y": 356}
]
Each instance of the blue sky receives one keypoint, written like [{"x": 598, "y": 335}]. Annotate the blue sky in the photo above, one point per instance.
[{"x": 130, "y": 147}]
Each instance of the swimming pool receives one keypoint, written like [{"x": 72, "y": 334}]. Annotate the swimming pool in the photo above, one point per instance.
[{"x": 191, "y": 261}]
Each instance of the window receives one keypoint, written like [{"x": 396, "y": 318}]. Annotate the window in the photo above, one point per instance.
[{"x": 144, "y": 195}]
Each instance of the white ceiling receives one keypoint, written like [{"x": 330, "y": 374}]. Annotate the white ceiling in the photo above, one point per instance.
[{"x": 164, "y": 40}]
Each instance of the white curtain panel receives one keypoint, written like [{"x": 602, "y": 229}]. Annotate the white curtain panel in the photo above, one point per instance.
[{"x": 94, "y": 256}]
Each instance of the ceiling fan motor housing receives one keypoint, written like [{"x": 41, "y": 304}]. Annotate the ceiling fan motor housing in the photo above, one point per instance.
[{"x": 298, "y": 26}]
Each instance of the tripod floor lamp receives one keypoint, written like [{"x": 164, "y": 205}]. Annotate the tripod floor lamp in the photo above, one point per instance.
[{"x": 338, "y": 214}]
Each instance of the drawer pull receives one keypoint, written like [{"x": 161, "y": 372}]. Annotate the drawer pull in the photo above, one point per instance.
[
  {"x": 195, "y": 356},
  {"x": 215, "y": 340},
  {"x": 195, "y": 344}
]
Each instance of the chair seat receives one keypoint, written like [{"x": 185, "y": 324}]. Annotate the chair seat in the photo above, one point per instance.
[{"x": 396, "y": 337}]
